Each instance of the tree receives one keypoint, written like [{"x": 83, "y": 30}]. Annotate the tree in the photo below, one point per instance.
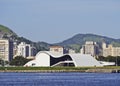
[
  {"x": 19, "y": 61},
  {"x": 115, "y": 59},
  {"x": 1, "y": 62}
]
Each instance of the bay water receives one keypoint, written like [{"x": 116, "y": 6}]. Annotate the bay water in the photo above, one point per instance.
[{"x": 59, "y": 79}]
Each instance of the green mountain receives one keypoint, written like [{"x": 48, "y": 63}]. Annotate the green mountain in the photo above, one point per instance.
[
  {"x": 81, "y": 38},
  {"x": 78, "y": 40},
  {"x": 74, "y": 42},
  {"x": 7, "y": 33}
]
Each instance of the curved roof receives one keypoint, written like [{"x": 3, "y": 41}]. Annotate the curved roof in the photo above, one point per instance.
[
  {"x": 51, "y": 53},
  {"x": 78, "y": 59},
  {"x": 84, "y": 60}
]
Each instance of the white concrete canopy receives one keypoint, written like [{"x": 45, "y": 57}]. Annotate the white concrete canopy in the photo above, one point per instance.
[{"x": 45, "y": 58}]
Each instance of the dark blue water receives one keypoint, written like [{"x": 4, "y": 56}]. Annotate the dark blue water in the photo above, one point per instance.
[{"x": 59, "y": 79}]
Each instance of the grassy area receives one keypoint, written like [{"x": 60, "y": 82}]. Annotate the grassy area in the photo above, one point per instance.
[
  {"x": 44, "y": 68},
  {"x": 4, "y": 29}
]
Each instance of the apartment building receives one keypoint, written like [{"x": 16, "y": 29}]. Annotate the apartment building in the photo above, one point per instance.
[
  {"x": 6, "y": 49},
  {"x": 110, "y": 50},
  {"x": 90, "y": 47},
  {"x": 25, "y": 50}
]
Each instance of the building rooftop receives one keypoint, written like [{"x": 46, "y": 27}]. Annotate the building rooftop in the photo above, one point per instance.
[{"x": 56, "y": 47}]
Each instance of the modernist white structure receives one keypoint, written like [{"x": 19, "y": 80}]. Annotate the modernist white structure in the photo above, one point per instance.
[{"x": 50, "y": 59}]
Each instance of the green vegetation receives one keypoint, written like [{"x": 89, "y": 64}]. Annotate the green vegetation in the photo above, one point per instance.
[
  {"x": 7, "y": 33},
  {"x": 44, "y": 68},
  {"x": 75, "y": 47},
  {"x": 74, "y": 43},
  {"x": 110, "y": 59},
  {"x": 3, "y": 63},
  {"x": 19, "y": 61},
  {"x": 6, "y": 30},
  {"x": 82, "y": 38},
  {"x": 115, "y": 44},
  {"x": 79, "y": 69}
]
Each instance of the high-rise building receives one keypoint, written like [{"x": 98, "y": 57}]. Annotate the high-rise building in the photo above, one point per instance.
[
  {"x": 110, "y": 50},
  {"x": 25, "y": 50},
  {"x": 6, "y": 49},
  {"x": 14, "y": 48},
  {"x": 90, "y": 47},
  {"x": 32, "y": 51}
]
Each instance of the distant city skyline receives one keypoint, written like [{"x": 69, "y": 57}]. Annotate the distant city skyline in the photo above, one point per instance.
[{"x": 53, "y": 21}]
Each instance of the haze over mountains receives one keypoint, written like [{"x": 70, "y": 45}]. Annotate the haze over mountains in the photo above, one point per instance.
[{"x": 74, "y": 42}]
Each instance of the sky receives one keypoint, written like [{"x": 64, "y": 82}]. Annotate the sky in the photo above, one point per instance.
[{"x": 53, "y": 21}]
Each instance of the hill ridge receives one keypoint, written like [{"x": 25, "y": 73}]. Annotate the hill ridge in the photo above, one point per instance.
[
  {"x": 5, "y": 29},
  {"x": 75, "y": 42}
]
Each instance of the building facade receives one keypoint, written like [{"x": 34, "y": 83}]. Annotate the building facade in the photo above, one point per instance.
[
  {"x": 57, "y": 49},
  {"x": 6, "y": 49},
  {"x": 71, "y": 51},
  {"x": 110, "y": 50},
  {"x": 25, "y": 50},
  {"x": 90, "y": 47}
]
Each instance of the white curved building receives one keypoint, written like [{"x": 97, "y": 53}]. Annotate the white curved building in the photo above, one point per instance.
[{"x": 50, "y": 59}]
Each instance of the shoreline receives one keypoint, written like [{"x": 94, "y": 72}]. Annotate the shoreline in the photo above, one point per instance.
[
  {"x": 42, "y": 71},
  {"x": 108, "y": 69},
  {"x": 62, "y": 71}
]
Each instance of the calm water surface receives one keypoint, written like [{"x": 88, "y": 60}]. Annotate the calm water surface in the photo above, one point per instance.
[{"x": 59, "y": 79}]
